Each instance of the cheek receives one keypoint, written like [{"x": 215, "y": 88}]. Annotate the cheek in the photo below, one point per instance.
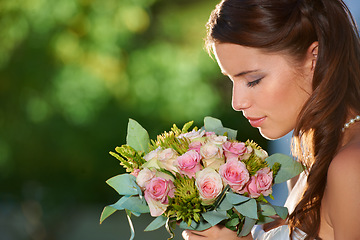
[
  {"x": 281, "y": 100},
  {"x": 286, "y": 95}
]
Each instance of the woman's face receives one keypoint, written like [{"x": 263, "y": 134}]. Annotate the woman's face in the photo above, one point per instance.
[{"x": 267, "y": 88}]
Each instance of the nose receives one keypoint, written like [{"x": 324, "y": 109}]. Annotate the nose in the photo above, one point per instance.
[{"x": 240, "y": 97}]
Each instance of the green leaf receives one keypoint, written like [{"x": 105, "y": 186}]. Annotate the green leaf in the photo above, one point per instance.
[
  {"x": 137, "y": 137},
  {"x": 263, "y": 220},
  {"x": 225, "y": 204},
  {"x": 281, "y": 211},
  {"x": 124, "y": 184},
  {"x": 136, "y": 214},
  {"x": 198, "y": 226},
  {"x": 288, "y": 169},
  {"x": 233, "y": 222},
  {"x": 267, "y": 210},
  {"x": 136, "y": 204},
  {"x": 108, "y": 210},
  {"x": 156, "y": 223},
  {"x": 214, "y": 217},
  {"x": 248, "y": 225},
  {"x": 234, "y": 198},
  {"x": 214, "y": 125},
  {"x": 248, "y": 208},
  {"x": 118, "y": 204},
  {"x": 230, "y": 133},
  {"x": 211, "y": 124}
]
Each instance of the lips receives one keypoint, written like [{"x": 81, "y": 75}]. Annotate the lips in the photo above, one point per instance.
[{"x": 256, "y": 122}]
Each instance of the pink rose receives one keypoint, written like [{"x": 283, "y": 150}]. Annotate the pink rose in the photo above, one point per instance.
[
  {"x": 260, "y": 183},
  {"x": 209, "y": 134},
  {"x": 196, "y": 145},
  {"x": 189, "y": 163},
  {"x": 234, "y": 173},
  {"x": 156, "y": 195},
  {"x": 209, "y": 184},
  {"x": 234, "y": 149}
]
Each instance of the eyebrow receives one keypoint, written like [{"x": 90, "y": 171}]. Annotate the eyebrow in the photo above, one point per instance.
[{"x": 244, "y": 73}]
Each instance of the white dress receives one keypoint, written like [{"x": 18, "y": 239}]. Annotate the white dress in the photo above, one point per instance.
[{"x": 282, "y": 232}]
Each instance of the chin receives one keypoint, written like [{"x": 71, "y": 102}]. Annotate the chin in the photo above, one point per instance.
[{"x": 272, "y": 135}]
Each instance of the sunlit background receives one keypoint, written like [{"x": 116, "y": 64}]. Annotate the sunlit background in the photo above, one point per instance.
[{"x": 72, "y": 72}]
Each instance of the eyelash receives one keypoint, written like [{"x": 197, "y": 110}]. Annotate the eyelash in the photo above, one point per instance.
[{"x": 254, "y": 83}]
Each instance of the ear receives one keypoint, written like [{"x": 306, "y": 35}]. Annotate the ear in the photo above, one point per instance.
[{"x": 312, "y": 54}]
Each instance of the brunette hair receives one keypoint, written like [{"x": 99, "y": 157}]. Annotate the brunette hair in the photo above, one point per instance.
[{"x": 290, "y": 27}]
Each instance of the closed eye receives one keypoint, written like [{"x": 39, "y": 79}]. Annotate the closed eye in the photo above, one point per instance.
[{"x": 254, "y": 83}]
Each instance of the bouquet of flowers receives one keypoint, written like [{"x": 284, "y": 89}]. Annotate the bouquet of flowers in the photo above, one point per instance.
[{"x": 198, "y": 178}]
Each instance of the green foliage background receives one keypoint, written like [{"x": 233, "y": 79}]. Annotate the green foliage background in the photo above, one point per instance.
[{"x": 72, "y": 72}]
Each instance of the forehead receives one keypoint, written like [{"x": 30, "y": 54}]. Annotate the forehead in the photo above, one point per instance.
[{"x": 233, "y": 58}]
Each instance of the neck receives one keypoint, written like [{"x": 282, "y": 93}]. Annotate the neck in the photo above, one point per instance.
[{"x": 351, "y": 134}]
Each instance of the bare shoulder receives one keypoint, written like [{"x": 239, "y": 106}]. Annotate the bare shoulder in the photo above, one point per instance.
[
  {"x": 343, "y": 192},
  {"x": 347, "y": 161}
]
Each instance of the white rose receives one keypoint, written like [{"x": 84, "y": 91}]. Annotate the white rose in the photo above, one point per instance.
[
  {"x": 212, "y": 155},
  {"x": 151, "y": 155},
  {"x": 247, "y": 154},
  {"x": 209, "y": 184},
  {"x": 218, "y": 140},
  {"x": 193, "y": 134},
  {"x": 144, "y": 177},
  {"x": 261, "y": 153},
  {"x": 167, "y": 158},
  {"x": 210, "y": 150}
]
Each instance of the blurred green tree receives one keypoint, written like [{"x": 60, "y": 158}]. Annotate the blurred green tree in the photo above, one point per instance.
[{"x": 71, "y": 74}]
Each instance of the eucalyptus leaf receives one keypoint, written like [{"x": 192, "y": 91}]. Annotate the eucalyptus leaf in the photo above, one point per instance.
[
  {"x": 118, "y": 204},
  {"x": 230, "y": 133},
  {"x": 198, "y": 226},
  {"x": 225, "y": 205},
  {"x": 214, "y": 217},
  {"x": 215, "y": 125},
  {"x": 136, "y": 204},
  {"x": 156, "y": 223},
  {"x": 136, "y": 214},
  {"x": 124, "y": 184},
  {"x": 288, "y": 169},
  {"x": 211, "y": 124},
  {"x": 263, "y": 220},
  {"x": 234, "y": 198},
  {"x": 108, "y": 210},
  {"x": 267, "y": 210},
  {"x": 233, "y": 222},
  {"x": 248, "y": 208},
  {"x": 281, "y": 211},
  {"x": 137, "y": 137},
  {"x": 248, "y": 225}
]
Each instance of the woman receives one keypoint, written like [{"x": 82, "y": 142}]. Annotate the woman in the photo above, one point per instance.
[{"x": 294, "y": 64}]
